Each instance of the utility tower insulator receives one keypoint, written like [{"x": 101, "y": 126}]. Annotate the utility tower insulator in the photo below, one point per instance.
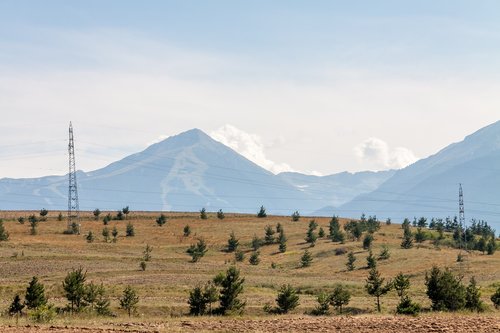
[
  {"x": 461, "y": 213},
  {"x": 73, "y": 206}
]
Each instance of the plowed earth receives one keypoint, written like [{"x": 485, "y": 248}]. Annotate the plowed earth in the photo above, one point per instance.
[{"x": 365, "y": 324}]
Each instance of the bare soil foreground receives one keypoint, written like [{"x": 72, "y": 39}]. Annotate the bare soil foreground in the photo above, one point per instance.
[{"x": 345, "y": 324}]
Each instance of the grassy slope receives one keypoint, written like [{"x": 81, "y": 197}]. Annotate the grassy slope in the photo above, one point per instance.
[{"x": 164, "y": 286}]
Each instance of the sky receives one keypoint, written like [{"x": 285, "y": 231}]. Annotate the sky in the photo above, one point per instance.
[{"x": 317, "y": 87}]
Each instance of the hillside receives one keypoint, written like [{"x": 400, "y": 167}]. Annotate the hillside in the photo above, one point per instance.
[
  {"x": 339, "y": 188},
  {"x": 164, "y": 286}
]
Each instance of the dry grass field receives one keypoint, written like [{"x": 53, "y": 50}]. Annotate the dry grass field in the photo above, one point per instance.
[{"x": 164, "y": 286}]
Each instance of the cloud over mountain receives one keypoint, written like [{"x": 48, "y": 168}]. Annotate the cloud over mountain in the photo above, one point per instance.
[
  {"x": 250, "y": 146},
  {"x": 375, "y": 154}
]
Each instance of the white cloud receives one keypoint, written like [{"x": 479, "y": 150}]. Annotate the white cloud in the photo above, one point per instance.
[
  {"x": 376, "y": 154},
  {"x": 249, "y": 145}
]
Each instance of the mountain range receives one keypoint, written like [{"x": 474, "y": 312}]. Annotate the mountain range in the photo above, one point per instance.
[
  {"x": 191, "y": 170},
  {"x": 185, "y": 173}
]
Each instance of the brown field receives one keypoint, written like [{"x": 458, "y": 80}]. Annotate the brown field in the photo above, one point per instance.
[{"x": 163, "y": 288}]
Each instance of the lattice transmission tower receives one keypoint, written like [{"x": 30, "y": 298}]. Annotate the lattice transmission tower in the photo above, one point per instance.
[
  {"x": 461, "y": 215},
  {"x": 73, "y": 206}
]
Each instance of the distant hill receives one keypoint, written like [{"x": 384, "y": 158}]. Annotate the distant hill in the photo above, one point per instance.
[
  {"x": 429, "y": 187},
  {"x": 185, "y": 173},
  {"x": 339, "y": 188}
]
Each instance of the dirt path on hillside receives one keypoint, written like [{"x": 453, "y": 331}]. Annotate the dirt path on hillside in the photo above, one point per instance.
[{"x": 389, "y": 324}]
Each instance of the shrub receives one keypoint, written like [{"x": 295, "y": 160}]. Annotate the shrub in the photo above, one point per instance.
[
  {"x": 295, "y": 216},
  {"x": 35, "y": 294},
  {"x": 371, "y": 262},
  {"x": 287, "y": 299},
  {"x": 473, "y": 297},
  {"x": 16, "y": 307},
  {"x": 323, "y": 307},
  {"x": 262, "y": 212},
  {"x": 146, "y": 254},
  {"x": 220, "y": 214},
  {"x": 161, "y": 220},
  {"x": 102, "y": 302},
  {"x": 336, "y": 235},
  {"x": 491, "y": 247},
  {"x": 197, "y": 302},
  {"x": 420, "y": 236},
  {"x": 96, "y": 213},
  {"x": 130, "y": 231},
  {"x": 257, "y": 242},
  {"x": 126, "y": 211},
  {"x": 495, "y": 298},
  {"x": 340, "y": 297},
  {"x": 367, "y": 241},
  {"x": 254, "y": 258},
  {"x": 187, "y": 230},
  {"x": 445, "y": 291},
  {"x": 105, "y": 234},
  {"x": 311, "y": 236},
  {"x": 239, "y": 256},
  {"x": 232, "y": 243},
  {"x": 43, "y": 214},
  {"x": 119, "y": 216},
  {"x": 129, "y": 300},
  {"x": 269, "y": 235},
  {"x": 231, "y": 286},
  {"x": 197, "y": 251},
  {"x": 203, "y": 214},
  {"x": 407, "y": 307},
  {"x": 384, "y": 253},
  {"x": 355, "y": 229},
  {"x": 306, "y": 259},
  {"x": 321, "y": 233},
  {"x": 282, "y": 241},
  {"x": 90, "y": 237},
  {"x": 201, "y": 298},
  {"x": 90, "y": 295},
  {"x": 375, "y": 286},
  {"x": 33, "y": 224},
  {"x": 401, "y": 284},
  {"x": 106, "y": 219},
  {"x": 4, "y": 235},
  {"x": 407, "y": 241},
  {"x": 350, "y": 261},
  {"x": 114, "y": 233},
  {"x": 74, "y": 288},
  {"x": 43, "y": 314}
]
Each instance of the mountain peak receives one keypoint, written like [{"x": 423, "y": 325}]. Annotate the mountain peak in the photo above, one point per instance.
[
  {"x": 185, "y": 139},
  {"x": 192, "y": 135}
]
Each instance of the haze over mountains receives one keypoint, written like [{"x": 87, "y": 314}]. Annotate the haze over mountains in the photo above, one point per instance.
[
  {"x": 191, "y": 170},
  {"x": 185, "y": 173}
]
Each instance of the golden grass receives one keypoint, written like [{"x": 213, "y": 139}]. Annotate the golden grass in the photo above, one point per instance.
[{"x": 164, "y": 286}]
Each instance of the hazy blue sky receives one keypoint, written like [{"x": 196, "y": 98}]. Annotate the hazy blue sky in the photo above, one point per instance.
[{"x": 312, "y": 86}]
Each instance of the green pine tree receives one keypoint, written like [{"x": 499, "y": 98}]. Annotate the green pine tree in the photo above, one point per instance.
[
  {"x": 375, "y": 286},
  {"x": 129, "y": 300},
  {"x": 35, "y": 294}
]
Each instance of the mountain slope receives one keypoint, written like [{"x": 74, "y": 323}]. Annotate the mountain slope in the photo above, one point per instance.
[
  {"x": 429, "y": 187},
  {"x": 339, "y": 188},
  {"x": 183, "y": 173}
]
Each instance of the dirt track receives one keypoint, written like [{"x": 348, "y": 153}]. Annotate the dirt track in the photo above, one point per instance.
[{"x": 424, "y": 324}]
